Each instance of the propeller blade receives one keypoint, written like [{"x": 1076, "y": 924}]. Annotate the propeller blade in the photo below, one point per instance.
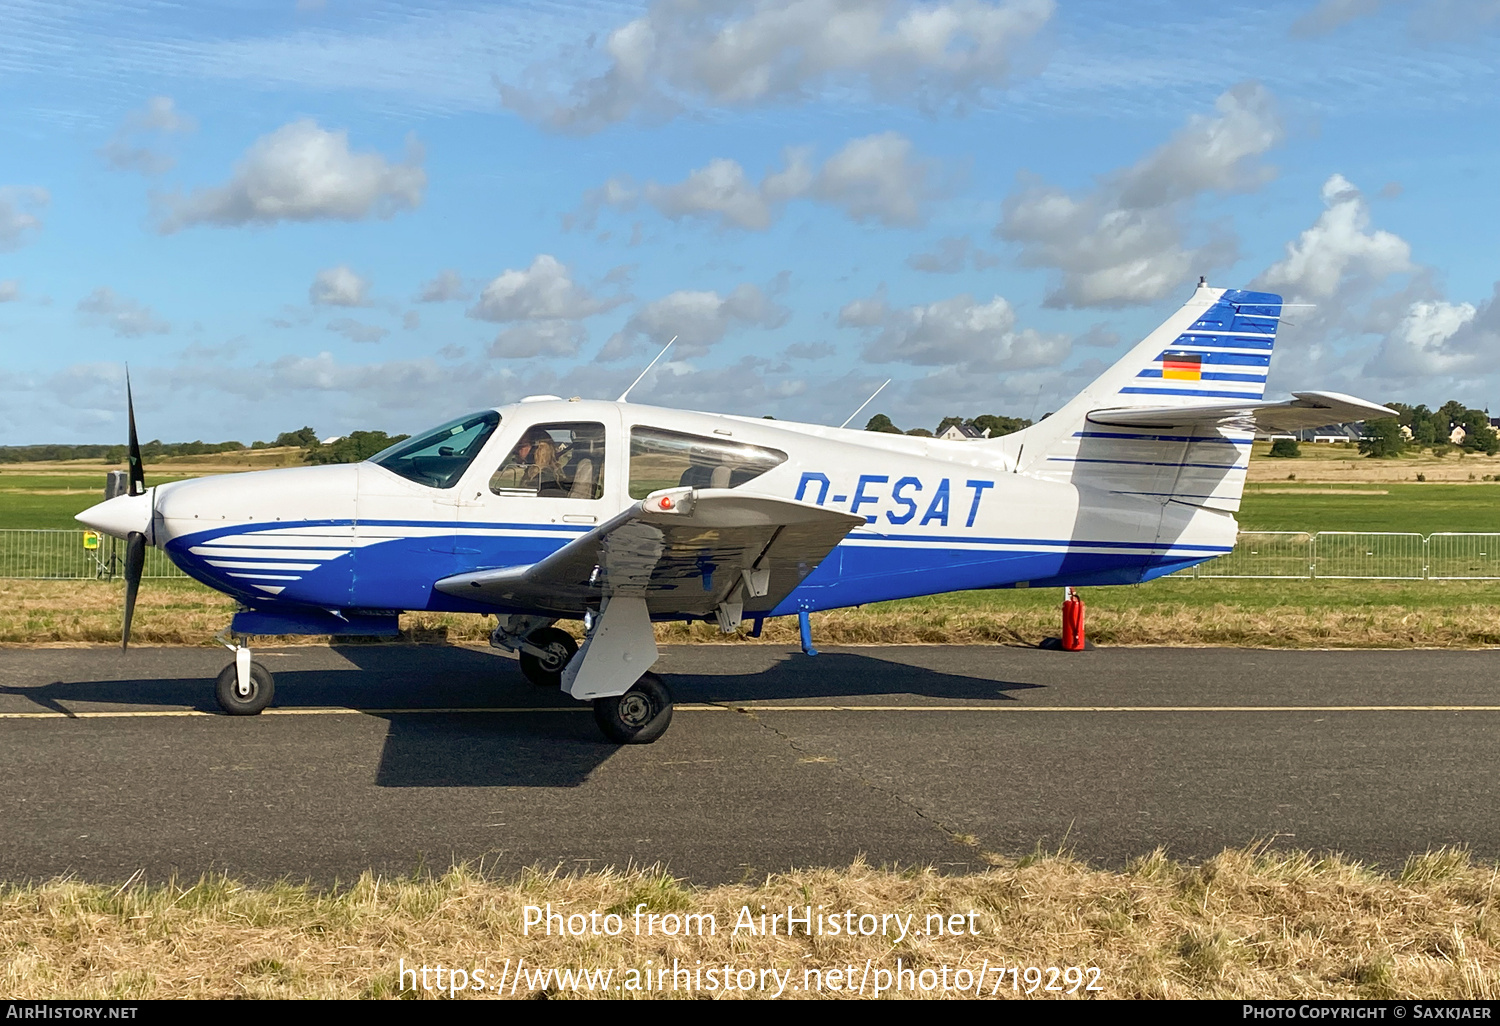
[
  {"x": 137, "y": 472},
  {"x": 135, "y": 566}
]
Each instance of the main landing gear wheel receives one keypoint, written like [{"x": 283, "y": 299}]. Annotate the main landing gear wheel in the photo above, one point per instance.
[
  {"x": 262, "y": 687},
  {"x": 639, "y": 716},
  {"x": 546, "y": 670}
]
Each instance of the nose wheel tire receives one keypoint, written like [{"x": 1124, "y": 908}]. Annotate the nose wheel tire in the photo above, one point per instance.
[
  {"x": 546, "y": 670},
  {"x": 639, "y": 716},
  {"x": 262, "y": 689}
]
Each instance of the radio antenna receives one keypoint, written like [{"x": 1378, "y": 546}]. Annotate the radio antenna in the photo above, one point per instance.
[
  {"x": 643, "y": 373},
  {"x": 867, "y": 402}
]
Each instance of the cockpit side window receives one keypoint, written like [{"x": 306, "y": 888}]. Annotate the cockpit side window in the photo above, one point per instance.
[
  {"x": 670, "y": 459},
  {"x": 558, "y": 461},
  {"x": 438, "y": 458}
]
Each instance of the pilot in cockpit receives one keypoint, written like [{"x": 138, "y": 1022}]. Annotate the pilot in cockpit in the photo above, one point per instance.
[{"x": 536, "y": 455}]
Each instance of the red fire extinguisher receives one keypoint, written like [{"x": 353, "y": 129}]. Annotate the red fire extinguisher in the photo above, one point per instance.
[{"x": 1072, "y": 632}]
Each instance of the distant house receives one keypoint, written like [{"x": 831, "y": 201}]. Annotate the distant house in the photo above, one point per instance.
[
  {"x": 1457, "y": 435},
  {"x": 963, "y": 433}
]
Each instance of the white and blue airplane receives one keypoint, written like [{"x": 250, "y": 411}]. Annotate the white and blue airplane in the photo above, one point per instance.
[{"x": 622, "y": 515}]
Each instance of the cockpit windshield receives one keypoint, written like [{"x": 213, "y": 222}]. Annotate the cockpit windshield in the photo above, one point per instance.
[{"x": 438, "y": 458}]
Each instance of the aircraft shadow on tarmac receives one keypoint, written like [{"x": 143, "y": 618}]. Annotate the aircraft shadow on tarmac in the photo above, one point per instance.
[{"x": 530, "y": 749}]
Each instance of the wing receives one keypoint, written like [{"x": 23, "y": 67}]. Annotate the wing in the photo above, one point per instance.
[
  {"x": 685, "y": 550},
  {"x": 1304, "y": 410}
]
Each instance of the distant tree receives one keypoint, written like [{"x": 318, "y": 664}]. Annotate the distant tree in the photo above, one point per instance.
[
  {"x": 353, "y": 447},
  {"x": 1382, "y": 438},
  {"x": 305, "y": 437},
  {"x": 920, "y": 432},
  {"x": 1451, "y": 413},
  {"x": 999, "y": 425},
  {"x": 880, "y": 422},
  {"x": 1285, "y": 448}
]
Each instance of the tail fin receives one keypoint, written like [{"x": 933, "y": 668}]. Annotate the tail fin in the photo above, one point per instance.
[{"x": 1216, "y": 349}]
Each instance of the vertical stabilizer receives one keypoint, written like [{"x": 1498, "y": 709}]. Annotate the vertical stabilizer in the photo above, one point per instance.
[{"x": 1215, "y": 349}]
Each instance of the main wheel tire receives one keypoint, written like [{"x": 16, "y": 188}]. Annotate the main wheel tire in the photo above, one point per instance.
[
  {"x": 262, "y": 690},
  {"x": 547, "y": 671},
  {"x": 639, "y": 716}
]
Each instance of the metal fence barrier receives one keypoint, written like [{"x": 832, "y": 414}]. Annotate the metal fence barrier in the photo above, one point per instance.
[
  {"x": 1356, "y": 555},
  {"x": 1268, "y": 555},
  {"x": 72, "y": 556}
]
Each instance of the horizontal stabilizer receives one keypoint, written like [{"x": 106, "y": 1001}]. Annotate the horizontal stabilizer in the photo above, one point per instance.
[{"x": 1305, "y": 410}]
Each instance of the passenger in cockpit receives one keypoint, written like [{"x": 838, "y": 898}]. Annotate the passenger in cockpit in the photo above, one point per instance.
[{"x": 537, "y": 456}]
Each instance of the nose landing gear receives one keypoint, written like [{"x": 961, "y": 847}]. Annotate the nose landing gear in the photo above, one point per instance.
[{"x": 244, "y": 687}]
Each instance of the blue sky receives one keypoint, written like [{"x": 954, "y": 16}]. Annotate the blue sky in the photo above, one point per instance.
[{"x": 382, "y": 214}]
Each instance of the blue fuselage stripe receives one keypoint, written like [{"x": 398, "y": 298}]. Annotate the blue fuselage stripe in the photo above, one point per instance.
[{"x": 1197, "y": 392}]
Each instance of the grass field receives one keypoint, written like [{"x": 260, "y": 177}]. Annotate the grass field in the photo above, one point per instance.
[
  {"x": 1262, "y": 614},
  {"x": 1244, "y": 924}
]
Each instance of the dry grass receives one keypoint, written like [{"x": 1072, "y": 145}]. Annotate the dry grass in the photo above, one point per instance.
[
  {"x": 1335, "y": 463},
  {"x": 183, "y": 613},
  {"x": 1245, "y": 924},
  {"x": 171, "y": 466}
]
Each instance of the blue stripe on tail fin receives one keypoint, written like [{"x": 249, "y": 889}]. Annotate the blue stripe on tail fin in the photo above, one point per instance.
[{"x": 1216, "y": 348}]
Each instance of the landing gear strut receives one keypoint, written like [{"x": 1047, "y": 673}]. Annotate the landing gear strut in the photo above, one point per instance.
[
  {"x": 244, "y": 687},
  {"x": 639, "y": 716}
]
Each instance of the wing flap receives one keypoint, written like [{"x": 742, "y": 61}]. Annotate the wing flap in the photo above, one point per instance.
[
  {"x": 1304, "y": 410},
  {"x": 684, "y": 550}
]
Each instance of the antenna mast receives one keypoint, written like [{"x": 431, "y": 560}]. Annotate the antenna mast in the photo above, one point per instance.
[
  {"x": 643, "y": 373},
  {"x": 867, "y": 402}
]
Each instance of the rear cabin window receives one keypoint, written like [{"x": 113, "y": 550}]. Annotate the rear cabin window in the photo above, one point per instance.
[
  {"x": 558, "y": 461},
  {"x": 670, "y": 459}
]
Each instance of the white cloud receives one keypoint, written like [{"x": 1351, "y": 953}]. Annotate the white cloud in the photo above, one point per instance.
[
  {"x": 699, "y": 320},
  {"x": 18, "y": 217},
  {"x": 446, "y": 287},
  {"x": 874, "y": 178},
  {"x": 1336, "y": 247},
  {"x": 538, "y": 338},
  {"x": 1124, "y": 242},
  {"x": 979, "y": 336},
  {"x": 1429, "y": 19},
  {"x": 302, "y": 172},
  {"x": 159, "y": 116},
  {"x": 339, "y": 286},
  {"x": 10, "y": 290},
  {"x": 543, "y": 291},
  {"x": 124, "y": 316},
  {"x": 1430, "y": 340},
  {"x": 808, "y": 350},
  {"x": 357, "y": 331},
  {"x": 950, "y": 255},
  {"x": 687, "y": 52},
  {"x": 1332, "y": 14},
  {"x": 411, "y": 320},
  {"x": 866, "y": 312}
]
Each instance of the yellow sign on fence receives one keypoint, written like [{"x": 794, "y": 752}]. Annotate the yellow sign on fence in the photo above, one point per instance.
[{"x": 91, "y": 540}]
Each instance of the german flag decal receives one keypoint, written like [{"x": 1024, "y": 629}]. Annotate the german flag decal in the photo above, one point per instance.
[{"x": 1182, "y": 366}]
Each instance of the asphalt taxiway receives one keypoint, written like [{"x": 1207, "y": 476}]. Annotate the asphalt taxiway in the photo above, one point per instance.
[{"x": 397, "y": 757}]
